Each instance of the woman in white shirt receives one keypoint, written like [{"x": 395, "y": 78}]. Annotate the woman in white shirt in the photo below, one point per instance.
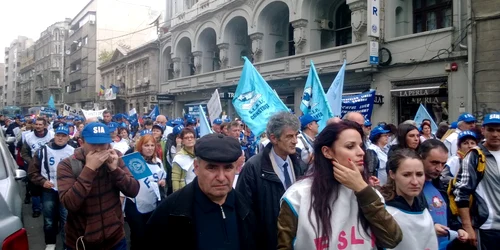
[
  {"x": 139, "y": 209},
  {"x": 405, "y": 183},
  {"x": 380, "y": 138}
]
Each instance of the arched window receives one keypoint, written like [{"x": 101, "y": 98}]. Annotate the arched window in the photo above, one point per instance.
[
  {"x": 343, "y": 29},
  {"x": 56, "y": 34}
]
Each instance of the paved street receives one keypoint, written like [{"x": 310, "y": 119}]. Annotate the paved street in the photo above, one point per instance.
[{"x": 34, "y": 226}]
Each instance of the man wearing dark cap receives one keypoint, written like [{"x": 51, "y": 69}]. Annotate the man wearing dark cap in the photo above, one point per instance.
[{"x": 207, "y": 213}]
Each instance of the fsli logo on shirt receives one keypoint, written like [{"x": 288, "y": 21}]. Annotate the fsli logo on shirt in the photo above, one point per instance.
[{"x": 98, "y": 130}]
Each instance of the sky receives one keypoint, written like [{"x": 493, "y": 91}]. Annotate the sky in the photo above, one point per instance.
[{"x": 30, "y": 17}]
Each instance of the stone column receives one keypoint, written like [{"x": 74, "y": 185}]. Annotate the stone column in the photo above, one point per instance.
[
  {"x": 299, "y": 35},
  {"x": 177, "y": 66},
  {"x": 358, "y": 19},
  {"x": 257, "y": 46},
  {"x": 197, "y": 61},
  {"x": 223, "y": 55}
]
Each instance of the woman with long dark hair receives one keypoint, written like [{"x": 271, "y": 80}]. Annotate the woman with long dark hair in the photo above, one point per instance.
[
  {"x": 405, "y": 183},
  {"x": 334, "y": 207},
  {"x": 408, "y": 137}
]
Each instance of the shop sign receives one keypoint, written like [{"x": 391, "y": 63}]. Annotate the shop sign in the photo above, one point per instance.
[
  {"x": 426, "y": 100},
  {"x": 373, "y": 52},
  {"x": 373, "y": 18},
  {"x": 165, "y": 97},
  {"x": 379, "y": 99},
  {"x": 226, "y": 95},
  {"x": 416, "y": 92}
]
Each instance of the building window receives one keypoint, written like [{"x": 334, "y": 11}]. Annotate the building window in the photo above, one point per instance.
[
  {"x": 85, "y": 40},
  {"x": 343, "y": 30},
  {"x": 431, "y": 15}
]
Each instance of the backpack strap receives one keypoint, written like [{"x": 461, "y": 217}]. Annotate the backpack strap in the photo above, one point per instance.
[
  {"x": 46, "y": 160},
  {"x": 76, "y": 166}
]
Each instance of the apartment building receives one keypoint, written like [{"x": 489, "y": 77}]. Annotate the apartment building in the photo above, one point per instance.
[
  {"x": 12, "y": 65},
  {"x": 416, "y": 42},
  {"x": 49, "y": 64},
  {"x": 2, "y": 82},
  {"x": 95, "y": 33},
  {"x": 133, "y": 76},
  {"x": 26, "y": 87}
]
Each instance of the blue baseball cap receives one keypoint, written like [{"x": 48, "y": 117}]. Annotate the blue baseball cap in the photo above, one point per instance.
[
  {"x": 177, "y": 130},
  {"x": 18, "y": 117},
  {"x": 187, "y": 116},
  {"x": 146, "y": 132},
  {"x": 112, "y": 126},
  {"x": 306, "y": 119},
  {"x": 178, "y": 121},
  {"x": 70, "y": 117},
  {"x": 62, "y": 129},
  {"x": 60, "y": 117},
  {"x": 367, "y": 123},
  {"x": 378, "y": 131},
  {"x": 158, "y": 126},
  {"x": 228, "y": 119},
  {"x": 454, "y": 125},
  {"x": 96, "y": 133},
  {"x": 170, "y": 123},
  {"x": 466, "y": 117},
  {"x": 191, "y": 121},
  {"x": 70, "y": 124},
  {"x": 146, "y": 117},
  {"x": 467, "y": 133},
  {"x": 217, "y": 121},
  {"x": 493, "y": 118}
]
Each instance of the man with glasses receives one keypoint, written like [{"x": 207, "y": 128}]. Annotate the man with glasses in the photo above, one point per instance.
[{"x": 466, "y": 122}]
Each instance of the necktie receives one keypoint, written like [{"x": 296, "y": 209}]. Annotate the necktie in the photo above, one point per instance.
[{"x": 288, "y": 182}]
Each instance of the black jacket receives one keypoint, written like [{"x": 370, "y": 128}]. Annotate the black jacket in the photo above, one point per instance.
[
  {"x": 259, "y": 184},
  {"x": 173, "y": 221}
]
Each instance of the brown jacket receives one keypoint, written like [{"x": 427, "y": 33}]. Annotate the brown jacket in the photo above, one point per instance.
[
  {"x": 93, "y": 202},
  {"x": 387, "y": 232}
]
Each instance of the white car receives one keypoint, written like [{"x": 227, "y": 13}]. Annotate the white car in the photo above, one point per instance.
[{"x": 13, "y": 236}]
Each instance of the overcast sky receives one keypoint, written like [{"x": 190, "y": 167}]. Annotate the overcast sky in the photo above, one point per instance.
[{"x": 31, "y": 17}]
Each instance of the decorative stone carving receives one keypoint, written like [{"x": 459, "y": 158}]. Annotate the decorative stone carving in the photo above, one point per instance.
[
  {"x": 197, "y": 61},
  {"x": 299, "y": 34},
  {"x": 257, "y": 46},
  {"x": 223, "y": 54},
  {"x": 358, "y": 19},
  {"x": 177, "y": 66},
  {"x": 252, "y": 3}
]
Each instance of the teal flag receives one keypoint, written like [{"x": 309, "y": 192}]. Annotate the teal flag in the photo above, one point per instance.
[
  {"x": 334, "y": 93},
  {"x": 51, "y": 103},
  {"x": 314, "y": 100},
  {"x": 254, "y": 100},
  {"x": 423, "y": 114}
]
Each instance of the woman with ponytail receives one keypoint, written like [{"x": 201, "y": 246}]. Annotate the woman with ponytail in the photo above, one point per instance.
[
  {"x": 333, "y": 207},
  {"x": 405, "y": 183}
]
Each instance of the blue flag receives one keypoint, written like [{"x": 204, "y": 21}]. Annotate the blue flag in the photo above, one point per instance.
[
  {"x": 314, "y": 100},
  {"x": 154, "y": 113},
  {"x": 204, "y": 125},
  {"x": 137, "y": 165},
  {"x": 361, "y": 103},
  {"x": 334, "y": 94},
  {"x": 51, "y": 103},
  {"x": 254, "y": 101},
  {"x": 423, "y": 114}
]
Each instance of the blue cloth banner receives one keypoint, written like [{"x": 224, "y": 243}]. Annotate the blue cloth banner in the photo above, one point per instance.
[
  {"x": 204, "y": 125},
  {"x": 51, "y": 103},
  {"x": 254, "y": 100},
  {"x": 314, "y": 100},
  {"x": 334, "y": 93},
  {"x": 132, "y": 117},
  {"x": 362, "y": 103},
  {"x": 154, "y": 113},
  {"x": 423, "y": 114},
  {"x": 137, "y": 165}
]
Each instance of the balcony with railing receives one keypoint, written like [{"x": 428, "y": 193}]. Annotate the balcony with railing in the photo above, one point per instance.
[{"x": 326, "y": 61}]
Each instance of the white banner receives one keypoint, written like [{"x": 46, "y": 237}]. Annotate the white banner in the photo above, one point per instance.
[
  {"x": 109, "y": 95},
  {"x": 68, "y": 110},
  {"x": 132, "y": 112},
  {"x": 214, "y": 106},
  {"x": 93, "y": 114},
  {"x": 373, "y": 18}
]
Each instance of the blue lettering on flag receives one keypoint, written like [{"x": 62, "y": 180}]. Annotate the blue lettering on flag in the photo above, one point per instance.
[{"x": 137, "y": 165}]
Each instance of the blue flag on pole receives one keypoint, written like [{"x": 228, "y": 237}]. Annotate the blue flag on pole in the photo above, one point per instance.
[
  {"x": 254, "y": 100},
  {"x": 423, "y": 114},
  {"x": 51, "y": 103},
  {"x": 137, "y": 165},
  {"x": 204, "y": 125},
  {"x": 334, "y": 93},
  {"x": 154, "y": 113},
  {"x": 314, "y": 99}
]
